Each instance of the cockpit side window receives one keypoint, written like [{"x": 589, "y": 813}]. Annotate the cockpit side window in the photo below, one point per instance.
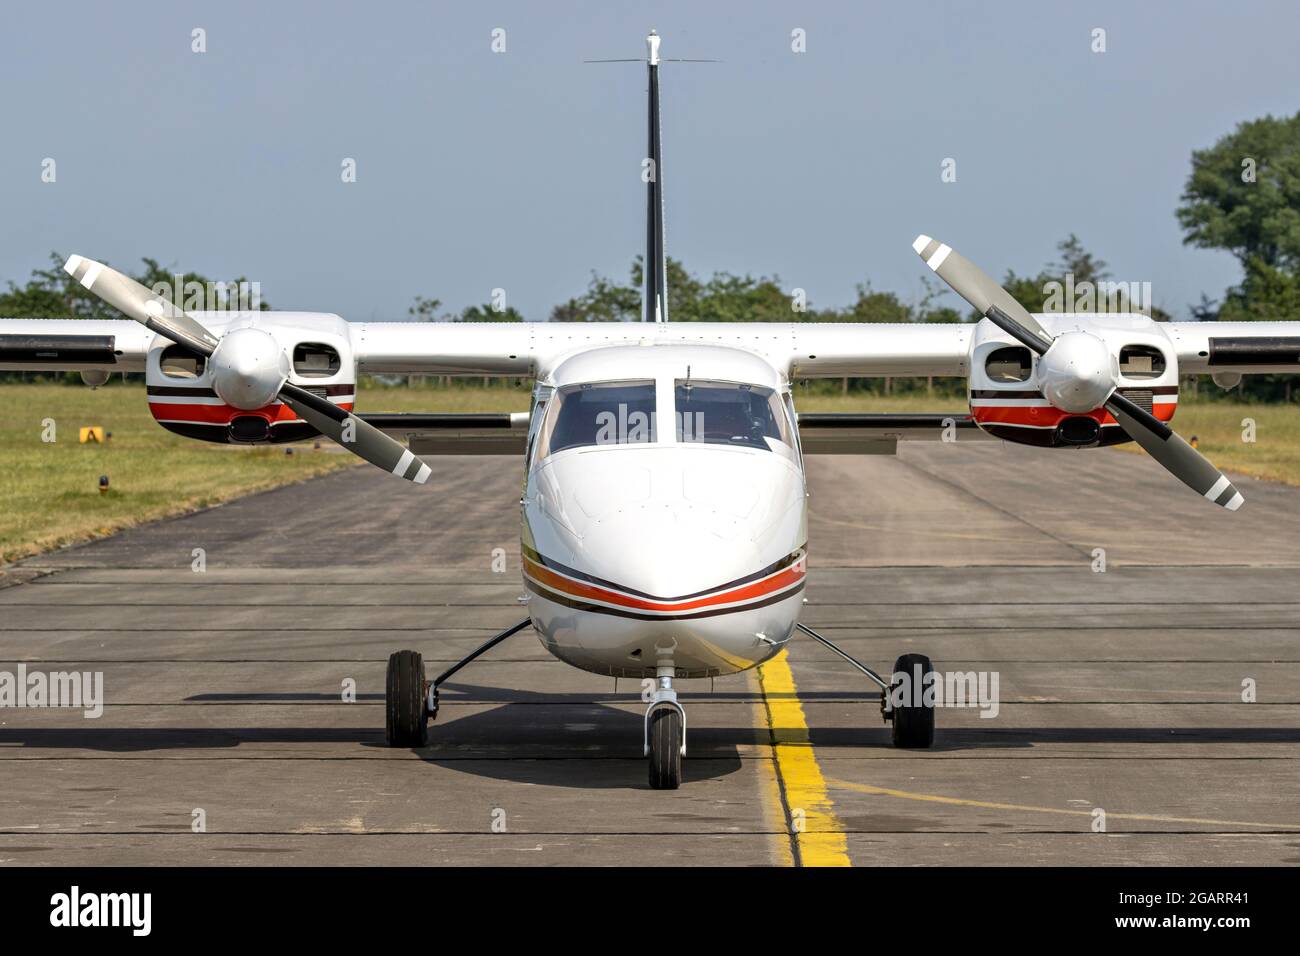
[
  {"x": 598, "y": 413},
  {"x": 728, "y": 413}
]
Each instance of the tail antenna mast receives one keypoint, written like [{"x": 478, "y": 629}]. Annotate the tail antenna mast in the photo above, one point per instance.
[{"x": 654, "y": 300}]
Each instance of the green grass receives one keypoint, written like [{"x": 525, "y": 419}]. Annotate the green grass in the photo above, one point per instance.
[{"x": 50, "y": 491}]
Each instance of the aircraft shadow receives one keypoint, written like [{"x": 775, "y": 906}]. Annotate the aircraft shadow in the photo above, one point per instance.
[{"x": 585, "y": 740}]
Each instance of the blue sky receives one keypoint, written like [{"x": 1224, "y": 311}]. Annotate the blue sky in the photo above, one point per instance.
[{"x": 521, "y": 170}]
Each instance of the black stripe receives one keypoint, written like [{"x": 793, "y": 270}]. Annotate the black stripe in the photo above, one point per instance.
[
  {"x": 19, "y": 348},
  {"x": 883, "y": 420},
  {"x": 772, "y": 568},
  {"x": 1004, "y": 393},
  {"x": 437, "y": 421},
  {"x": 202, "y": 431},
  {"x": 1255, "y": 350},
  {"x": 639, "y": 616},
  {"x": 199, "y": 392}
]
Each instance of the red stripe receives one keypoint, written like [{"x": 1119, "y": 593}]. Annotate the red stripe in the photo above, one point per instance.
[
  {"x": 1048, "y": 416},
  {"x": 777, "y": 582},
  {"x": 224, "y": 414}
]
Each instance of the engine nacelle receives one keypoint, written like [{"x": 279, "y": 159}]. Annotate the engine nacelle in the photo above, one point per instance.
[
  {"x": 1056, "y": 400},
  {"x": 230, "y": 397}
]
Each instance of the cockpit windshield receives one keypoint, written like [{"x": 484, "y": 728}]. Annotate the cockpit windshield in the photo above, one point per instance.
[
  {"x": 727, "y": 413},
  {"x": 598, "y": 413},
  {"x": 704, "y": 411}
]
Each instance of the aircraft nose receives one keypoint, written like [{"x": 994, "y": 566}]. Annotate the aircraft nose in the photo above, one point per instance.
[{"x": 669, "y": 551}]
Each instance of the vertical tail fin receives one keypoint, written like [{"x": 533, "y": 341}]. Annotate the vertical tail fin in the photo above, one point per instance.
[{"x": 655, "y": 296}]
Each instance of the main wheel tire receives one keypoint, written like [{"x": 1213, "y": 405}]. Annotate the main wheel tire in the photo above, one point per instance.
[
  {"x": 665, "y": 749},
  {"x": 406, "y": 724},
  {"x": 913, "y": 721}
]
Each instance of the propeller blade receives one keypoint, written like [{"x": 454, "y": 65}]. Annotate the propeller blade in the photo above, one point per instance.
[
  {"x": 364, "y": 441},
  {"x": 975, "y": 286},
  {"x": 1179, "y": 458},
  {"x": 136, "y": 302}
]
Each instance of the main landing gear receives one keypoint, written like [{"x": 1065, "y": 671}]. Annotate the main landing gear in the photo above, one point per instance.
[
  {"x": 411, "y": 701},
  {"x": 665, "y": 733},
  {"x": 903, "y": 702}
]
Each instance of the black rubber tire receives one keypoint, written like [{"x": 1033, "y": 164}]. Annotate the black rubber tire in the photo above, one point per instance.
[
  {"x": 665, "y": 749},
  {"x": 406, "y": 724},
  {"x": 913, "y": 723}
]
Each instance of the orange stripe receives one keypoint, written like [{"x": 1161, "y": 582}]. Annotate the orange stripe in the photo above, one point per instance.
[{"x": 777, "y": 582}]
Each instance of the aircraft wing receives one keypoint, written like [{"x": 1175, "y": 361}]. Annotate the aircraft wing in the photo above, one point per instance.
[{"x": 803, "y": 350}]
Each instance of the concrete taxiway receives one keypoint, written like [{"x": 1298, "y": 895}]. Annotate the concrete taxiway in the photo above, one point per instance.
[{"x": 1120, "y": 705}]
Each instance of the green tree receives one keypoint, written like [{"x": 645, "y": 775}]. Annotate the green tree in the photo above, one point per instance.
[
  {"x": 1266, "y": 293},
  {"x": 53, "y": 294},
  {"x": 424, "y": 309},
  {"x": 1073, "y": 258},
  {"x": 604, "y": 301},
  {"x": 1243, "y": 194},
  {"x": 485, "y": 313}
]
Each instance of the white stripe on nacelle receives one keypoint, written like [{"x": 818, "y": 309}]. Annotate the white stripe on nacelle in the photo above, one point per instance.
[
  {"x": 92, "y": 273},
  {"x": 936, "y": 260},
  {"x": 1217, "y": 488},
  {"x": 403, "y": 463},
  {"x": 1010, "y": 403}
]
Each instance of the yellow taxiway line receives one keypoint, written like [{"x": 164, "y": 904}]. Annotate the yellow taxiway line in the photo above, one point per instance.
[
  {"x": 1026, "y": 808},
  {"x": 805, "y": 808}
]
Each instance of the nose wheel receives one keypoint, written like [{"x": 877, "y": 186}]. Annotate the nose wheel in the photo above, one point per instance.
[
  {"x": 666, "y": 729},
  {"x": 665, "y": 734}
]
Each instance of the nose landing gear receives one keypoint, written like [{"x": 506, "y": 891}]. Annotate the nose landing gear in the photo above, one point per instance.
[{"x": 665, "y": 733}]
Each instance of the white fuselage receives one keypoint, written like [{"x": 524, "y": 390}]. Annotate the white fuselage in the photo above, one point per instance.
[{"x": 677, "y": 548}]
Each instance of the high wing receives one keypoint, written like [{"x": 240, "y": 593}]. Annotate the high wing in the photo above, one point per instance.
[
  {"x": 812, "y": 350},
  {"x": 1046, "y": 380}
]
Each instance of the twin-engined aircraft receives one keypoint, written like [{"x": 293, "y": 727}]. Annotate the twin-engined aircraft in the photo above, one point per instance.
[{"x": 664, "y": 530}]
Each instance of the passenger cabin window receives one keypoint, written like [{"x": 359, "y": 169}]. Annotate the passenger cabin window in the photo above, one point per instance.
[
  {"x": 598, "y": 413},
  {"x": 727, "y": 413},
  {"x": 1141, "y": 361},
  {"x": 177, "y": 361},
  {"x": 1012, "y": 363}
]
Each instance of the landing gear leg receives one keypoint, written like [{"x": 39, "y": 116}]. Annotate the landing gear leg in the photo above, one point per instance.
[
  {"x": 411, "y": 701},
  {"x": 665, "y": 733}
]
